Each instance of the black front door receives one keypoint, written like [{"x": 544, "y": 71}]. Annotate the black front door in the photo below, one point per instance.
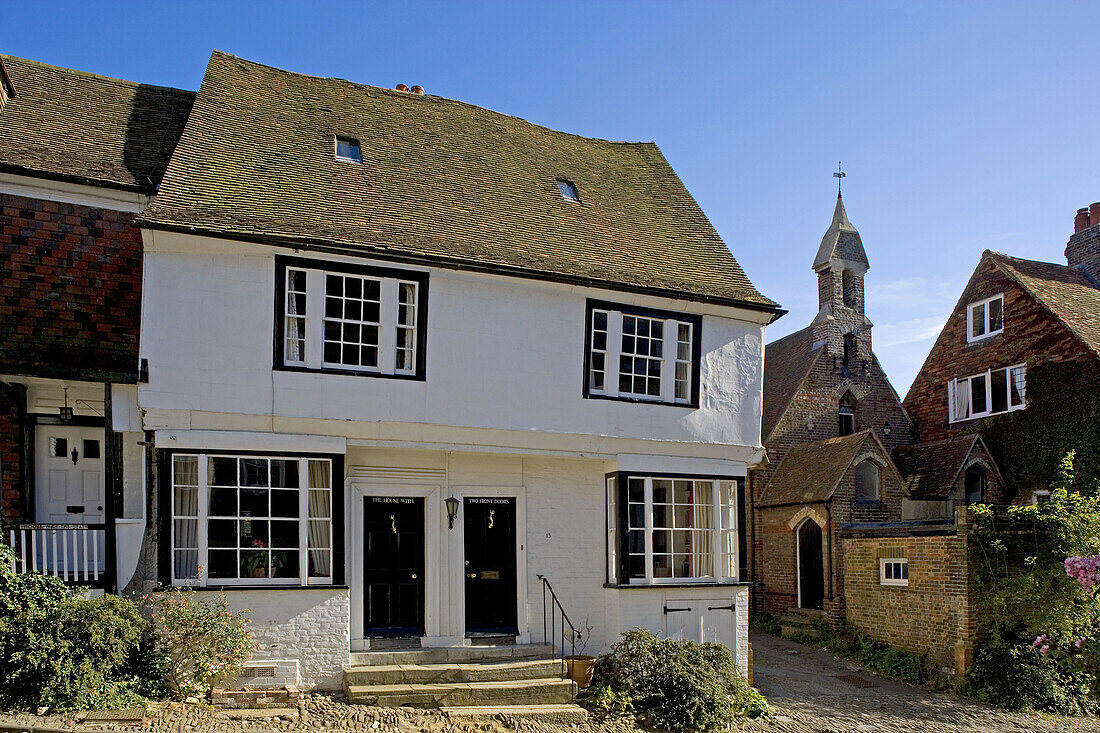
[
  {"x": 490, "y": 563},
  {"x": 811, "y": 575},
  {"x": 393, "y": 566}
]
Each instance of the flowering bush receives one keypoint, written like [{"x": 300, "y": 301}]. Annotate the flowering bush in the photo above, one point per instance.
[
  {"x": 201, "y": 641},
  {"x": 1036, "y": 569}
]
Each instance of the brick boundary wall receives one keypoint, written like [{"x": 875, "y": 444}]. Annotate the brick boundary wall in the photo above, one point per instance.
[{"x": 935, "y": 614}]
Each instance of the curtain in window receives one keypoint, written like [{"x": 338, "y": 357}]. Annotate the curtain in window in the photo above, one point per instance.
[
  {"x": 185, "y": 512},
  {"x": 703, "y": 536},
  {"x": 320, "y": 519}
]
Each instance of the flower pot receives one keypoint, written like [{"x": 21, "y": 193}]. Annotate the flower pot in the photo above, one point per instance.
[{"x": 579, "y": 668}]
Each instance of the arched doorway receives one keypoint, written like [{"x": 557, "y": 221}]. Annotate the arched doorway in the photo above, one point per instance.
[{"x": 811, "y": 581}]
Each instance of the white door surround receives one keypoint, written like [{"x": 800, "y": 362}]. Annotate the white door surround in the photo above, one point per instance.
[{"x": 444, "y": 563}]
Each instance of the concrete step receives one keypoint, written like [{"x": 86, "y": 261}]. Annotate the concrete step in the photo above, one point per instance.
[
  {"x": 444, "y": 655},
  {"x": 789, "y": 631},
  {"x": 463, "y": 694},
  {"x": 493, "y": 671},
  {"x": 559, "y": 714}
]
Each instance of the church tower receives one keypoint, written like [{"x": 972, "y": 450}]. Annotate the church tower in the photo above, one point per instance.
[{"x": 841, "y": 265}]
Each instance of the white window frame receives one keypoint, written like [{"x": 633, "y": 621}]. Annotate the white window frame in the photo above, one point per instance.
[
  {"x": 389, "y": 319},
  {"x": 960, "y": 394},
  {"x": 896, "y": 564},
  {"x": 346, "y": 158},
  {"x": 202, "y": 518},
  {"x": 971, "y": 337},
  {"x": 669, "y": 359},
  {"x": 725, "y": 540},
  {"x": 1035, "y": 496}
]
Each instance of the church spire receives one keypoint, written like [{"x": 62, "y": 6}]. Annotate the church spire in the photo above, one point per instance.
[
  {"x": 841, "y": 264},
  {"x": 841, "y": 244}
]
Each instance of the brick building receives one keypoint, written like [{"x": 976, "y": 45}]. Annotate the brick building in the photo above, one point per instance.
[
  {"x": 1014, "y": 319},
  {"x": 80, "y": 155},
  {"x": 841, "y": 445}
]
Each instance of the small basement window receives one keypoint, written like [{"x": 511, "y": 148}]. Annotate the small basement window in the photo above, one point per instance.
[
  {"x": 568, "y": 190},
  {"x": 347, "y": 149},
  {"x": 893, "y": 571}
]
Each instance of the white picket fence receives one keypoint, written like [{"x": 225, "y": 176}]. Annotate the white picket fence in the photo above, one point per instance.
[{"x": 76, "y": 553}]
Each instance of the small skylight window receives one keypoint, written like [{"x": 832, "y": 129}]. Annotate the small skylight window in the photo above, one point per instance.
[
  {"x": 347, "y": 149},
  {"x": 568, "y": 190}
]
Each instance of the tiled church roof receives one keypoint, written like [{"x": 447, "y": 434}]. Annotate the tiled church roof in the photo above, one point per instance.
[
  {"x": 786, "y": 364},
  {"x": 84, "y": 128},
  {"x": 441, "y": 182},
  {"x": 810, "y": 472}
]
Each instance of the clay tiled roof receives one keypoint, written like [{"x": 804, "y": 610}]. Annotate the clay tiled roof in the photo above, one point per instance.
[
  {"x": 441, "y": 182},
  {"x": 810, "y": 472},
  {"x": 80, "y": 127},
  {"x": 1065, "y": 290},
  {"x": 931, "y": 469},
  {"x": 786, "y": 364}
]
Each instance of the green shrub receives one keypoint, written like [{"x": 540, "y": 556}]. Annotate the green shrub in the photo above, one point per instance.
[
  {"x": 200, "y": 642},
  {"x": 678, "y": 685},
  {"x": 607, "y": 699},
  {"x": 63, "y": 650},
  {"x": 1017, "y": 559},
  {"x": 846, "y": 640}
]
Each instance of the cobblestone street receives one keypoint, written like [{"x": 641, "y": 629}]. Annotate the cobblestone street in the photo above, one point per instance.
[{"x": 812, "y": 691}]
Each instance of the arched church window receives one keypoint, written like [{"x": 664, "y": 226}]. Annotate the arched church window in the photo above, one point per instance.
[
  {"x": 847, "y": 416},
  {"x": 867, "y": 481},
  {"x": 974, "y": 481}
]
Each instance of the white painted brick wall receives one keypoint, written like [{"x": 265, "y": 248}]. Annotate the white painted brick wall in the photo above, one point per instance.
[{"x": 311, "y": 626}]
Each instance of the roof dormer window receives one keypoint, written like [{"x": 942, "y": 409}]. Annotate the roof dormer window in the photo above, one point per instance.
[
  {"x": 347, "y": 150},
  {"x": 568, "y": 190}
]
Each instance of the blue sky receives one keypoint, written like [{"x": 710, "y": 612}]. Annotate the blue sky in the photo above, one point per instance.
[{"x": 963, "y": 126}]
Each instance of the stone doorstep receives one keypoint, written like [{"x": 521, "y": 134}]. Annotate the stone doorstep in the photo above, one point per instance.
[
  {"x": 561, "y": 714},
  {"x": 494, "y": 671},
  {"x": 444, "y": 655},
  {"x": 511, "y": 692}
]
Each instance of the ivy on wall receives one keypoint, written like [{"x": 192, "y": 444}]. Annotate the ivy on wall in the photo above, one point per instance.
[{"x": 1062, "y": 415}]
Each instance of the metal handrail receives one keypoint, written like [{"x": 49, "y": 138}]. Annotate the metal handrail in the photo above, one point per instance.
[{"x": 556, "y": 609}]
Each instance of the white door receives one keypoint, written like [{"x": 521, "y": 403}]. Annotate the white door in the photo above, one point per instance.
[{"x": 69, "y": 480}]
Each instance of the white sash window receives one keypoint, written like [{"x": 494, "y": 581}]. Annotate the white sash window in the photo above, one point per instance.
[{"x": 995, "y": 392}]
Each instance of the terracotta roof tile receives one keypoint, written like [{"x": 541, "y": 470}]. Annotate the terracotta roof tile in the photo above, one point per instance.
[
  {"x": 931, "y": 469},
  {"x": 810, "y": 472},
  {"x": 1065, "y": 290},
  {"x": 86, "y": 128},
  {"x": 441, "y": 180}
]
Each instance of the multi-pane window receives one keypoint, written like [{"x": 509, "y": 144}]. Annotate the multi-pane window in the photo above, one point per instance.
[
  {"x": 251, "y": 519},
  {"x": 362, "y": 320},
  {"x": 893, "y": 571},
  {"x": 675, "y": 530},
  {"x": 353, "y": 306},
  {"x": 295, "y": 333},
  {"x": 985, "y": 318},
  {"x": 992, "y": 393},
  {"x": 642, "y": 356}
]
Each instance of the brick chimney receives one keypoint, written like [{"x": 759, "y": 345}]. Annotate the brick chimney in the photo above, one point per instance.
[{"x": 1083, "y": 248}]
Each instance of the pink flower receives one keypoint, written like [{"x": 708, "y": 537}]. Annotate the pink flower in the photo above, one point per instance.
[
  {"x": 1044, "y": 649},
  {"x": 1079, "y": 643},
  {"x": 1039, "y": 640}
]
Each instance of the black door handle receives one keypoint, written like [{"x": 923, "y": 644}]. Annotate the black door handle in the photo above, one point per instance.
[
  {"x": 676, "y": 610},
  {"x": 730, "y": 607}
]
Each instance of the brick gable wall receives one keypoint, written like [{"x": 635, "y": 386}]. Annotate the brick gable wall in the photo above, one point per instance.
[
  {"x": 71, "y": 290},
  {"x": 811, "y": 417},
  {"x": 1032, "y": 334}
]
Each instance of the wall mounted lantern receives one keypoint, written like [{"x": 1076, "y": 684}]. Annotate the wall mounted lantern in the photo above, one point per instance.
[
  {"x": 452, "y": 511},
  {"x": 65, "y": 413}
]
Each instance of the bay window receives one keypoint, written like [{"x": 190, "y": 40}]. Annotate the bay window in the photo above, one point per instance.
[
  {"x": 641, "y": 355},
  {"x": 252, "y": 519},
  {"x": 349, "y": 319},
  {"x": 674, "y": 530},
  {"x": 992, "y": 393}
]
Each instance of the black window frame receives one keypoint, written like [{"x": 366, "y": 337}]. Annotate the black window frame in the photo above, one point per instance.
[
  {"x": 164, "y": 497},
  {"x": 696, "y": 321},
  {"x": 419, "y": 277}
]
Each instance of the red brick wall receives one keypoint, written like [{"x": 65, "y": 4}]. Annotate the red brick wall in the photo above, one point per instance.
[
  {"x": 71, "y": 290},
  {"x": 11, "y": 456},
  {"x": 933, "y": 614},
  {"x": 1031, "y": 335}
]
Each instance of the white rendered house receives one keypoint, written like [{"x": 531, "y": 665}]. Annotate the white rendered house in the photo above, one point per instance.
[{"x": 404, "y": 359}]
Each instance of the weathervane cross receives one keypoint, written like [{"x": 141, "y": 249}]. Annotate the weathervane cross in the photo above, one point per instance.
[{"x": 838, "y": 175}]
